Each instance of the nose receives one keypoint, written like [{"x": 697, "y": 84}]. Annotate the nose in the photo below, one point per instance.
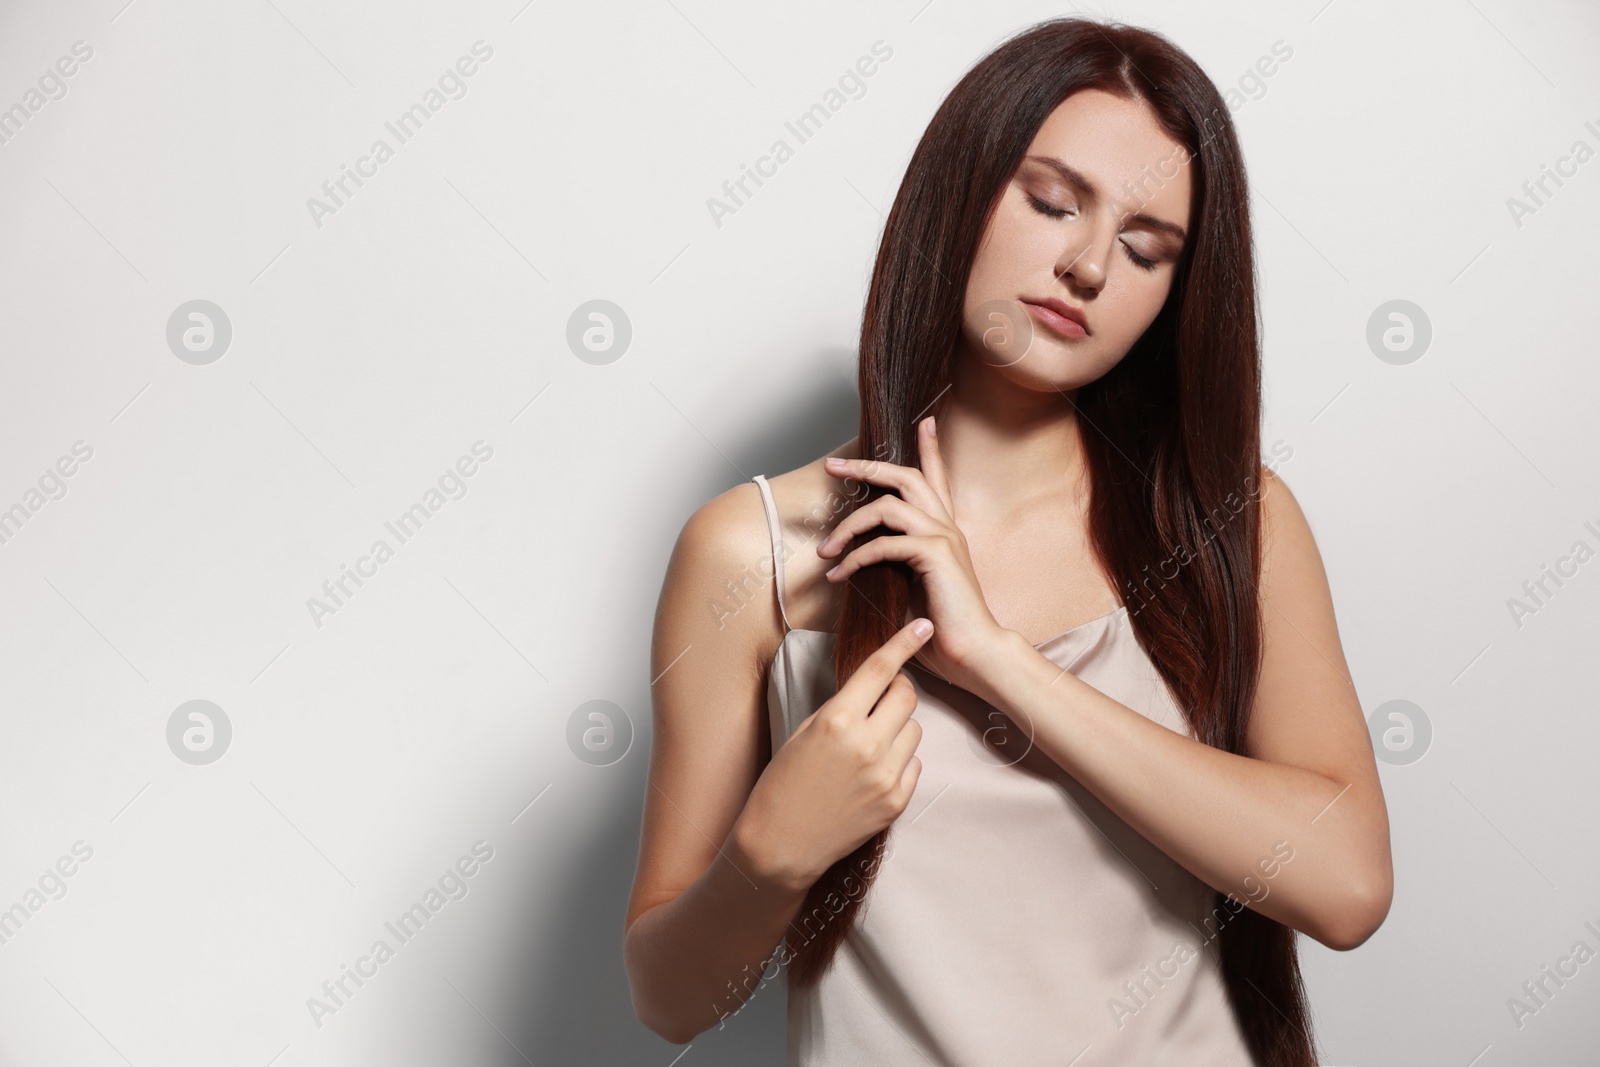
[{"x": 1084, "y": 255}]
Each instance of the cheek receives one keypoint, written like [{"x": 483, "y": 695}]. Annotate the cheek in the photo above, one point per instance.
[
  {"x": 1134, "y": 304},
  {"x": 1015, "y": 242},
  {"x": 1037, "y": 244}
]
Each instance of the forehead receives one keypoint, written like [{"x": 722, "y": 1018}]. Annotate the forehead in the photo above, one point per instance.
[{"x": 1119, "y": 147}]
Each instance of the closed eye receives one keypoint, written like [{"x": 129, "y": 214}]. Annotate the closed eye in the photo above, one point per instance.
[
  {"x": 1046, "y": 209},
  {"x": 1060, "y": 212}
]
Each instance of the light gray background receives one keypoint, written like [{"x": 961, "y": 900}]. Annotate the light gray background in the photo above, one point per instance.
[{"x": 431, "y": 311}]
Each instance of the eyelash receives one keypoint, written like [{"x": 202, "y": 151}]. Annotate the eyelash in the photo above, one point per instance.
[{"x": 1057, "y": 212}]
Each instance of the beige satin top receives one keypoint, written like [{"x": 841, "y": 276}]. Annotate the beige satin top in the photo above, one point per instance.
[{"x": 1015, "y": 921}]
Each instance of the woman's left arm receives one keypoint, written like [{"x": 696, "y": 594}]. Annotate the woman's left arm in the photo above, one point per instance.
[{"x": 1309, "y": 791}]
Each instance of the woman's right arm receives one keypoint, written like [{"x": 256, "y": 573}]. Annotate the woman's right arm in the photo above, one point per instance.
[
  {"x": 706, "y": 909},
  {"x": 731, "y": 842}
]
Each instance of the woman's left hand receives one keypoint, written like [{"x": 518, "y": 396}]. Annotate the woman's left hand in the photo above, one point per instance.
[{"x": 931, "y": 543}]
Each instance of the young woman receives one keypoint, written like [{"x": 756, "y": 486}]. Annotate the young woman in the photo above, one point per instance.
[{"x": 1082, "y": 818}]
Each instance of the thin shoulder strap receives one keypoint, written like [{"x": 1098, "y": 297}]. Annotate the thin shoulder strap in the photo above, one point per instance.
[{"x": 773, "y": 527}]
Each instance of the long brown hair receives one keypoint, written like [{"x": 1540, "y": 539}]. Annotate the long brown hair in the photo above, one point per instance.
[{"x": 1171, "y": 433}]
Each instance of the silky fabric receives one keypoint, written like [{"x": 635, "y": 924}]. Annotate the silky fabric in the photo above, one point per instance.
[{"x": 1015, "y": 920}]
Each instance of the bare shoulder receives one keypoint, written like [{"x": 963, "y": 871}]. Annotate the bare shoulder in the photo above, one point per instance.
[
  {"x": 708, "y": 583},
  {"x": 1286, "y": 537},
  {"x": 736, "y": 517},
  {"x": 719, "y": 593},
  {"x": 725, "y": 526},
  {"x": 810, "y": 502}
]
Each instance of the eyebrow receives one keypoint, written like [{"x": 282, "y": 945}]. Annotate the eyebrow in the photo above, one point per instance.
[{"x": 1075, "y": 177}]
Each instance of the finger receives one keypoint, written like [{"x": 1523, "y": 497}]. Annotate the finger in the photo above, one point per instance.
[
  {"x": 933, "y": 463},
  {"x": 864, "y": 687},
  {"x": 922, "y": 660},
  {"x": 903, "y": 547},
  {"x": 908, "y": 778},
  {"x": 907, "y": 481},
  {"x": 893, "y": 709},
  {"x": 904, "y": 746},
  {"x": 890, "y": 511}
]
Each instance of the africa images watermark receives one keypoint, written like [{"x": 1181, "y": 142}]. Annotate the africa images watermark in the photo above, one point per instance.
[
  {"x": 1251, "y": 85},
  {"x": 1538, "y": 591},
  {"x": 452, "y": 85},
  {"x": 1183, "y": 554},
  {"x": 753, "y": 578},
  {"x": 1138, "y": 993},
  {"x": 452, "y": 885},
  {"x": 1537, "y": 992},
  {"x": 52, "y": 87},
  {"x": 810, "y": 926},
  {"x": 804, "y": 127},
  {"x": 405, "y": 526},
  {"x": 746, "y": 587},
  {"x": 52, "y": 886},
  {"x": 52, "y": 486},
  {"x": 1566, "y": 167}
]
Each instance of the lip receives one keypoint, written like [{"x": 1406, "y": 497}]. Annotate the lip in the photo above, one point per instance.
[{"x": 1059, "y": 316}]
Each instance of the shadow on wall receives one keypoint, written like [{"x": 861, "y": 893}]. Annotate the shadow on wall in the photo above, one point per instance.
[
  {"x": 589, "y": 1019},
  {"x": 799, "y": 429}
]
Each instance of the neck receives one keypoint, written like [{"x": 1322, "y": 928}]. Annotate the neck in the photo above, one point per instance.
[{"x": 1006, "y": 447}]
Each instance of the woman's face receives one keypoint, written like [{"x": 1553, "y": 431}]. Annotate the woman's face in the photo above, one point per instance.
[{"x": 1095, "y": 218}]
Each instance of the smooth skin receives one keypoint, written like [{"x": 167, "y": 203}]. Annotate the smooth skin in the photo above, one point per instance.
[
  {"x": 1312, "y": 784},
  {"x": 729, "y": 846},
  {"x": 994, "y": 526}
]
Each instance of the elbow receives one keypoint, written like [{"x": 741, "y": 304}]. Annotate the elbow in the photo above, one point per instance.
[
  {"x": 665, "y": 1029},
  {"x": 646, "y": 1013},
  {"x": 646, "y": 1008},
  {"x": 1361, "y": 914}
]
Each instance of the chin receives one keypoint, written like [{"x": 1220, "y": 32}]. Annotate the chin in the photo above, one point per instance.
[
  {"x": 1053, "y": 376},
  {"x": 1070, "y": 365}
]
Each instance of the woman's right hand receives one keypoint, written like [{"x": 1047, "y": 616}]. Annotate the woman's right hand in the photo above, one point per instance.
[{"x": 848, "y": 771}]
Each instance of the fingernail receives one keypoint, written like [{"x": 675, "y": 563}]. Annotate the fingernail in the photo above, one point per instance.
[
  {"x": 933, "y": 427},
  {"x": 922, "y": 627}
]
